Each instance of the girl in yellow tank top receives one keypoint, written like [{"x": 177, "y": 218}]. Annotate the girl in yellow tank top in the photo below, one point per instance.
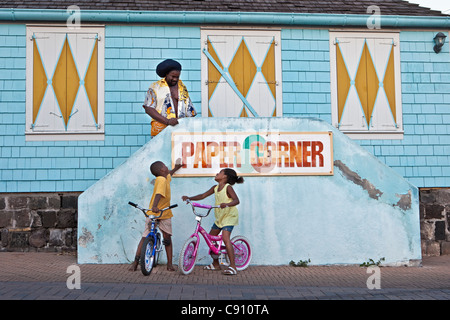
[{"x": 227, "y": 215}]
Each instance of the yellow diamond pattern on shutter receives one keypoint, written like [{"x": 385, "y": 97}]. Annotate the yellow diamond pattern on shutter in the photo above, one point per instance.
[
  {"x": 66, "y": 82},
  {"x": 39, "y": 81},
  {"x": 343, "y": 83},
  {"x": 62, "y": 100},
  {"x": 73, "y": 83},
  {"x": 389, "y": 84},
  {"x": 91, "y": 82},
  {"x": 213, "y": 75},
  {"x": 242, "y": 74},
  {"x": 59, "y": 81},
  {"x": 367, "y": 83},
  {"x": 268, "y": 68},
  {"x": 242, "y": 69},
  {"x": 244, "y": 113}
]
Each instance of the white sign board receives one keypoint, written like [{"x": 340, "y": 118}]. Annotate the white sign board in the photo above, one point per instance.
[{"x": 253, "y": 153}]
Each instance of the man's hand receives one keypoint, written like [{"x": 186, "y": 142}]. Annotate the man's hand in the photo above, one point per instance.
[{"x": 172, "y": 122}]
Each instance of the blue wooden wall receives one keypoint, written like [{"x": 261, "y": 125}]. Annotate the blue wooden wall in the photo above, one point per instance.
[{"x": 131, "y": 55}]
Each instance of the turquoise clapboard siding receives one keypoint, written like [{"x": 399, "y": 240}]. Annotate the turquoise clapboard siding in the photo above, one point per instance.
[
  {"x": 131, "y": 55},
  {"x": 423, "y": 156}
]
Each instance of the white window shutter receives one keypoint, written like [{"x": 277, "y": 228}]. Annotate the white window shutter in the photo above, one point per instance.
[{"x": 65, "y": 84}]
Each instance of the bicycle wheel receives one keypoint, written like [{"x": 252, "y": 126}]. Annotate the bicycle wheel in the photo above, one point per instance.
[
  {"x": 147, "y": 256},
  {"x": 188, "y": 256},
  {"x": 242, "y": 252}
]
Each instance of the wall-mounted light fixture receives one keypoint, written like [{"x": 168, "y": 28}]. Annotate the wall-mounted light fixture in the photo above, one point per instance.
[{"x": 439, "y": 41}]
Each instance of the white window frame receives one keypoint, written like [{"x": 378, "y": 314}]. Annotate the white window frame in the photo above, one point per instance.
[
  {"x": 367, "y": 134},
  {"x": 96, "y": 133}
]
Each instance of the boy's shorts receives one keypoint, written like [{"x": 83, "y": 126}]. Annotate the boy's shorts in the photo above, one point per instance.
[{"x": 163, "y": 225}]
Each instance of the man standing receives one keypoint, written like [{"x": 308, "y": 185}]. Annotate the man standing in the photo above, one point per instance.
[{"x": 167, "y": 99}]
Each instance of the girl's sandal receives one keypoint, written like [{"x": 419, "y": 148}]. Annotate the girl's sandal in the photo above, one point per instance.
[{"x": 230, "y": 271}]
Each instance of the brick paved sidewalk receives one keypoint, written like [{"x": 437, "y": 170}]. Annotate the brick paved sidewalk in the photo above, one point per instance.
[{"x": 44, "y": 275}]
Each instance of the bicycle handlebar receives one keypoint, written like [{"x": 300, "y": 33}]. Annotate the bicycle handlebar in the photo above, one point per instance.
[
  {"x": 199, "y": 205},
  {"x": 145, "y": 210}
]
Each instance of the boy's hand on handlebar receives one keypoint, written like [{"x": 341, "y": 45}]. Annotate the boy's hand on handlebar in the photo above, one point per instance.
[
  {"x": 223, "y": 205},
  {"x": 155, "y": 209},
  {"x": 185, "y": 198}
]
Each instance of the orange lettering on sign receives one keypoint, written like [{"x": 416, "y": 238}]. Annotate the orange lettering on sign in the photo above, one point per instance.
[
  {"x": 231, "y": 151},
  {"x": 212, "y": 149},
  {"x": 295, "y": 153},
  {"x": 255, "y": 154},
  {"x": 283, "y": 152},
  {"x": 200, "y": 155},
  {"x": 236, "y": 154},
  {"x": 263, "y": 156},
  {"x": 306, "y": 153},
  {"x": 270, "y": 154},
  {"x": 317, "y": 148},
  {"x": 223, "y": 154},
  {"x": 185, "y": 146}
]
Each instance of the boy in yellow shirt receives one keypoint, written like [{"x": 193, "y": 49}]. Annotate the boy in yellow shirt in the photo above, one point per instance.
[{"x": 160, "y": 200}]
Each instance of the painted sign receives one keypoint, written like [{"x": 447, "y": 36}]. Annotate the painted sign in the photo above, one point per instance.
[{"x": 253, "y": 153}]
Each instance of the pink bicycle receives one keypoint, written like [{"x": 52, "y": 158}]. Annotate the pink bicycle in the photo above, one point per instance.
[{"x": 188, "y": 254}]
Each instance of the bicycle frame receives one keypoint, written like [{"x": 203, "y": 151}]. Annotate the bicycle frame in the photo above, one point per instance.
[
  {"x": 153, "y": 219},
  {"x": 189, "y": 252},
  {"x": 153, "y": 234},
  {"x": 150, "y": 259},
  {"x": 209, "y": 239}
]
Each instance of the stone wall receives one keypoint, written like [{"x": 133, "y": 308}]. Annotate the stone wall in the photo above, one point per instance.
[
  {"x": 38, "y": 221},
  {"x": 435, "y": 221},
  {"x": 48, "y": 221}
]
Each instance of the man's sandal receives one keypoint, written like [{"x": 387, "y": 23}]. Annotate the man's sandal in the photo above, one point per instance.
[{"x": 230, "y": 271}]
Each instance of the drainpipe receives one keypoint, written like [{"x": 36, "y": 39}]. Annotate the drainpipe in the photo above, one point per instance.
[{"x": 227, "y": 18}]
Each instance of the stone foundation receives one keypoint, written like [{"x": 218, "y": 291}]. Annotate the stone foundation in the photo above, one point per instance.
[
  {"x": 48, "y": 221},
  {"x": 435, "y": 221},
  {"x": 38, "y": 221}
]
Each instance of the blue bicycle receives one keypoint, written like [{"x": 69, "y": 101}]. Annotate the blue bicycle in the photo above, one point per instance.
[{"x": 152, "y": 243}]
